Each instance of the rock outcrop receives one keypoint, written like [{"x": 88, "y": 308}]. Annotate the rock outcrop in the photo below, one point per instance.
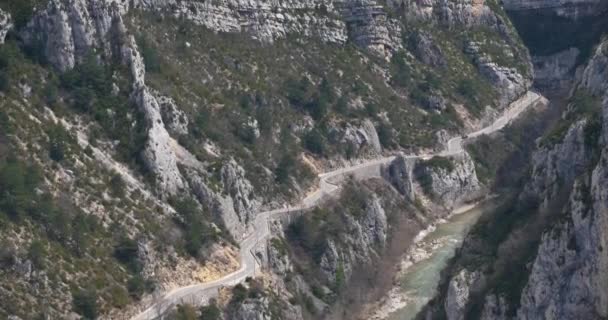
[
  {"x": 510, "y": 83},
  {"x": 367, "y": 235},
  {"x": 424, "y": 47},
  {"x": 364, "y": 22},
  {"x": 450, "y": 185},
  {"x": 458, "y": 293},
  {"x": 569, "y": 274},
  {"x": 400, "y": 173},
  {"x": 6, "y": 24},
  {"x": 465, "y": 13},
  {"x": 566, "y": 276},
  {"x": 559, "y": 164},
  {"x": 239, "y": 193},
  {"x": 369, "y": 26},
  {"x": 67, "y": 31},
  {"x": 159, "y": 151},
  {"x": 362, "y": 138},
  {"x": 233, "y": 200},
  {"x": 175, "y": 119}
]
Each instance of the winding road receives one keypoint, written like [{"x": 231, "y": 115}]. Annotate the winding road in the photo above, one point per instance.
[{"x": 329, "y": 183}]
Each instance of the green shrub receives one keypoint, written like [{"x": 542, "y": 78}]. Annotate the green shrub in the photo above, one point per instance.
[
  {"x": 283, "y": 170},
  {"x": 84, "y": 302},
  {"x": 466, "y": 88},
  {"x": 340, "y": 276},
  {"x": 137, "y": 286},
  {"x": 4, "y": 81},
  {"x": 210, "y": 312},
  {"x": 184, "y": 312},
  {"x": 18, "y": 184},
  {"x": 5, "y": 123},
  {"x": 297, "y": 91},
  {"x": 196, "y": 231},
  {"x": 342, "y": 105},
  {"x": 385, "y": 135},
  {"x": 126, "y": 251},
  {"x": 265, "y": 119},
  {"x": 439, "y": 162},
  {"x": 37, "y": 253},
  {"x": 84, "y": 228},
  {"x": 426, "y": 183},
  {"x": 22, "y": 10},
  {"x": 117, "y": 185},
  {"x": 279, "y": 245},
  {"x": 314, "y": 142},
  {"x": 150, "y": 55},
  {"x": 119, "y": 296},
  {"x": 317, "y": 107},
  {"x": 239, "y": 294},
  {"x": 402, "y": 73},
  {"x": 51, "y": 94}
]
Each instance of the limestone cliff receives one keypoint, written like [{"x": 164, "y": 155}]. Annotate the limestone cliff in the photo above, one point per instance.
[
  {"x": 158, "y": 129},
  {"x": 6, "y": 25},
  {"x": 557, "y": 252},
  {"x": 569, "y": 271}
]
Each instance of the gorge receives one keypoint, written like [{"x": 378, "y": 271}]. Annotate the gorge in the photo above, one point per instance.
[{"x": 262, "y": 159}]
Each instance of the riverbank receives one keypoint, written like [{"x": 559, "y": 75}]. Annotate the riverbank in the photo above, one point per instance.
[{"x": 419, "y": 271}]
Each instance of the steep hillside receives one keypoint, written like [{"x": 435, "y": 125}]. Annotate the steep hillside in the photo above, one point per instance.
[
  {"x": 140, "y": 139},
  {"x": 542, "y": 255}
]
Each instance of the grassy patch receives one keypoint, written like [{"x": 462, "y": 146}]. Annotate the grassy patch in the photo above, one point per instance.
[{"x": 438, "y": 162}]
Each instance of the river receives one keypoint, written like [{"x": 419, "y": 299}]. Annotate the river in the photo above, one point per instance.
[{"x": 418, "y": 283}]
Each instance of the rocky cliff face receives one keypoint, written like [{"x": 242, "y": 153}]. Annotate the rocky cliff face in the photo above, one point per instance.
[
  {"x": 366, "y": 234},
  {"x": 155, "y": 119},
  {"x": 565, "y": 268},
  {"x": 67, "y": 31},
  {"x": 450, "y": 185},
  {"x": 443, "y": 181},
  {"x": 6, "y": 25},
  {"x": 570, "y": 267}
]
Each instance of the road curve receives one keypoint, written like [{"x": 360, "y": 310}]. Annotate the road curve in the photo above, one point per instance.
[{"x": 329, "y": 183}]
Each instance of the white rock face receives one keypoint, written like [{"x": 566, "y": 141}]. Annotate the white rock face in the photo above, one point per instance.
[
  {"x": 6, "y": 24},
  {"x": 509, "y": 82},
  {"x": 235, "y": 202},
  {"x": 451, "y": 188},
  {"x": 268, "y": 21},
  {"x": 239, "y": 191},
  {"x": 595, "y": 76},
  {"x": 458, "y": 293},
  {"x": 359, "y": 246},
  {"x": 363, "y": 138},
  {"x": 467, "y": 13},
  {"x": 569, "y": 278},
  {"x": 400, "y": 173},
  {"x": 562, "y": 162},
  {"x": 69, "y": 30},
  {"x": 175, "y": 119},
  {"x": 159, "y": 152}
]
